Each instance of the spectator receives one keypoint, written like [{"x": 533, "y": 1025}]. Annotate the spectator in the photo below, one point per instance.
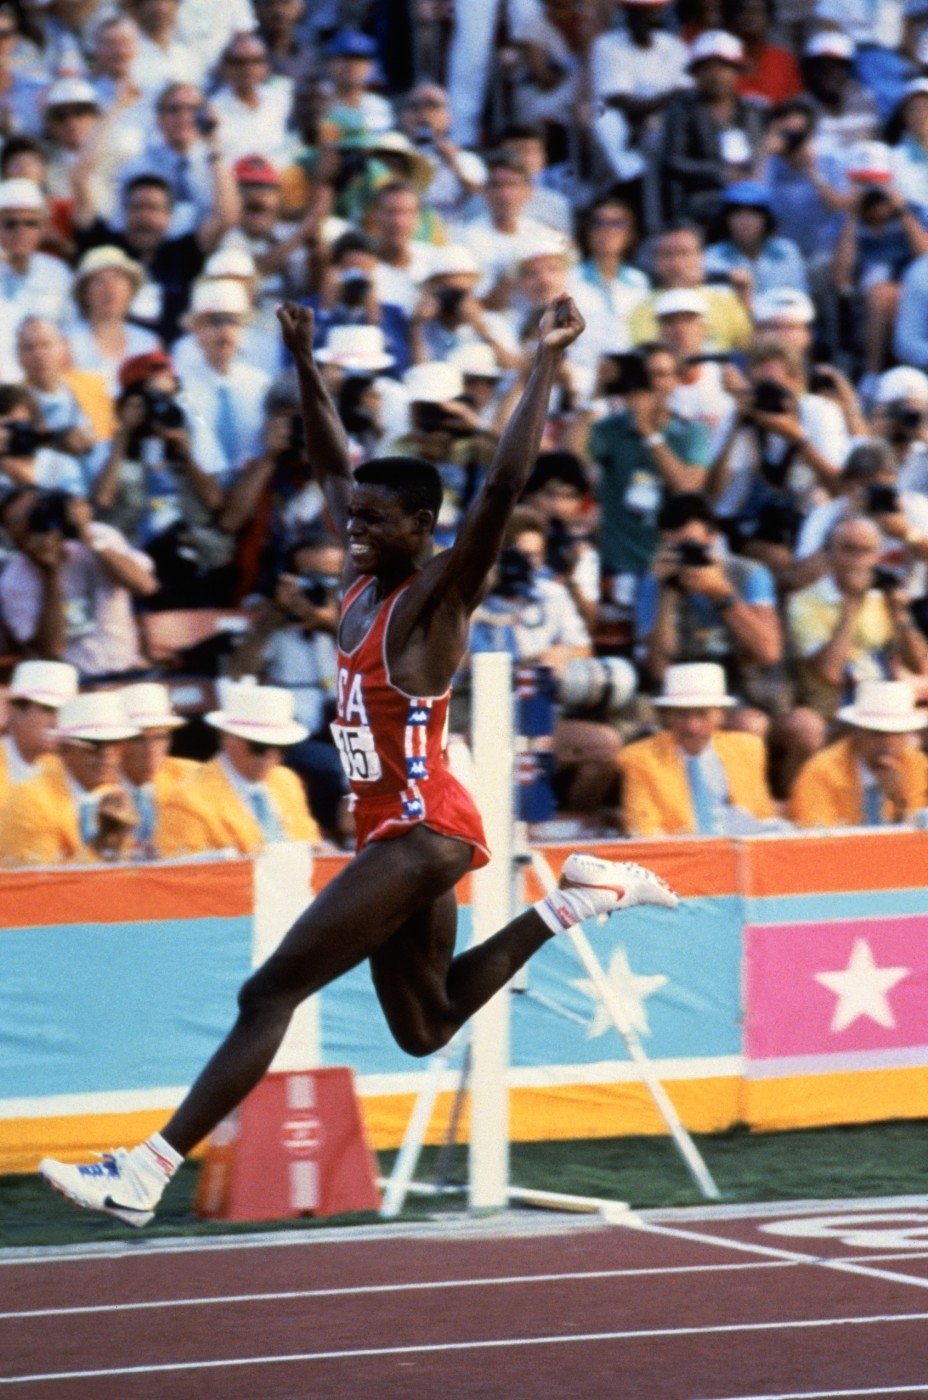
[
  {"x": 348, "y": 297},
  {"x": 873, "y": 775},
  {"x": 279, "y": 25},
  {"x": 75, "y": 812},
  {"x": 150, "y": 773},
  {"x": 37, "y": 691},
  {"x": 770, "y": 73},
  {"x": 291, "y": 644},
  {"x": 695, "y": 777},
  {"x": 844, "y": 630},
  {"x": 702, "y": 396},
  {"x": 560, "y": 491},
  {"x": 161, "y": 54},
  {"x": 177, "y": 152},
  {"x": 353, "y": 110},
  {"x": 72, "y": 110},
  {"x": 161, "y": 482},
  {"x": 206, "y": 29},
  {"x": 25, "y": 459},
  {"x": 553, "y": 39},
  {"x": 285, "y": 254},
  {"x": 31, "y": 282},
  {"x": 910, "y": 336},
  {"x": 701, "y": 603},
  {"x": 244, "y": 797},
  {"x": 483, "y": 384},
  {"x": 425, "y": 117},
  {"x": 448, "y": 316},
  {"x": 20, "y": 107},
  {"x": 497, "y": 236},
  {"x": 845, "y": 111},
  {"x": 403, "y": 260},
  {"x": 677, "y": 259},
  {"x": 708, "y": 131},
  {"x": 605, "y": 283},
  {"x": 106, "y": 283},
  {"x": 908, "y": 133},
  {"x": 526, "y": 143},
  {"x": 260, "y": 343},
  {"x": 900, "y": 418},
  {"x": 252, "y": 105},
  {"x": 748, "y": 242},
  {"x": 642, "y": 451},
  {"x": 75, "y": 406}
]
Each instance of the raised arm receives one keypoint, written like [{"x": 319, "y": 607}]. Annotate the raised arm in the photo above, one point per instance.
[
  {"x": 480, "y": 537},
  {"x": 326, "y": 443}
]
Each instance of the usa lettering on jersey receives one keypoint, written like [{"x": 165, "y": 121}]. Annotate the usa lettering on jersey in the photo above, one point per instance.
[{"x": 351, "y": 698}]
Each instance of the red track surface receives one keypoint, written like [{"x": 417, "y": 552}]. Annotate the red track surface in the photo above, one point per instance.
[{"x": 711, "y": 1304}]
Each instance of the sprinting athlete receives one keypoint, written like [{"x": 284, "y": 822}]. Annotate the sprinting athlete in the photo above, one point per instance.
[{"x": 402, "y": 635}]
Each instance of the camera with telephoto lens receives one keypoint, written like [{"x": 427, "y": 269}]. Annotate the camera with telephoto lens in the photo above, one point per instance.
[
  {"x": 24, "y": 439},
  {"x": 50, "y": 515},
  {"x": 771, "y": 397},
  {"x": 354, "y": 289},
  {"x": 693, "y": 554},
  {"x": 514, "y": 574},
  {"x": 597, "y": 685},
  {"x": 450, "y": 300},
  {"x": 630, "y": 373},
  {"x": 161, "y": 411},
  {"x": 434, "y": 418},
  {"x": 882, "y": 500},
  {"x": 318, "y": 589},
  {"x": 903, "y": 418},
  {"x": 887, "y": 580}
]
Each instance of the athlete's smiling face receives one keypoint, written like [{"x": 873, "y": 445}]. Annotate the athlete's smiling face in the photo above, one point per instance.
[{"x": 381, "y": 533}]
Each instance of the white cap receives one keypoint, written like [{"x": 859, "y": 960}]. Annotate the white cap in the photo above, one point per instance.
[
  {"x": 476, "y": 359},
  {"x": 71, "y": 92},
  {"x": 870, "y": 163},
  {"x": 679, "y": 301},
  {"x": 697, "y": 685},
  {"x": 783, "y": 304},
  {"x": 452, "y": 260},
  {"x": 148, "y": 705},
  {"x": 48, "y": 683},
  {"x": 99, "y": 714},
  {"x": 263, "y": 713},
  {"x": 903, "y": 382},
  {"x": 220, "y": 297},
  {"x": 886, "y": 706},
  {"x": 359, "y": 348},
  {"x": 436, "y": 381},
  {"x": 918, "y": 87},
  {"x": 230, "y": 262},
  {"x": 716, "y": 43},
  {"x": 21, "y": 194},
  {"x": 555, "y": 246},
  {"x": 830, "y": 43}
]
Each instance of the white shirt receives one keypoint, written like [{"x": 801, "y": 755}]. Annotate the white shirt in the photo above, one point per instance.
[
  {"x": 824, "y": 426},
  {"x": 154, "y": 67},
  {"x": 244, "y": 129},
  {"x": 400, "y": 286},
  {"x": 620, "y": 67},
  {"x": 704, "y": 400},
  {"x": 205, "y": 28},
  {"x": 44, "y": 289},
  {"x": 498, "y": 253},
  {"x": 893, "y": 552},
  {"x": 17, "y": 769},
  {"x": 86, "y": 353},
  {"x": 248, "y": 387}
]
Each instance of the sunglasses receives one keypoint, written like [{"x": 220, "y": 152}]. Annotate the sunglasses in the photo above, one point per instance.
[
  {"x": 259, "y": 749},
  {"x": 8, "y": 224}
]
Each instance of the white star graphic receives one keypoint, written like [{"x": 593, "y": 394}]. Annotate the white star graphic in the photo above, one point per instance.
[
  {"x": 631, "y": 991},
  {"x": 861, "y": 989}
]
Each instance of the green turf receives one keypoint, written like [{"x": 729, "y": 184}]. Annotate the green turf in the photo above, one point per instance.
[{"x": 875, "y": 1160}]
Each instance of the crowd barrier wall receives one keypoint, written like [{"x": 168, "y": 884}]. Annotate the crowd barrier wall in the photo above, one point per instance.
[{"x": 789, "y": 990}]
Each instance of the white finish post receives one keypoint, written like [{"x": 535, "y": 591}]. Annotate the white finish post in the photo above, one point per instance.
[
  {"x": 492, "y": 893},
  {"x": 282, "y": 872}
]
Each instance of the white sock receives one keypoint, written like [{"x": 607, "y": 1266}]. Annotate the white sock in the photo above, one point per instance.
[
  {"x": 158, "y": 1153},
  {"x": 564, "y": 908}
]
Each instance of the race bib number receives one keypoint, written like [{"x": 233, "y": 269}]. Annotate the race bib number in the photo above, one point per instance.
[{"x": 356, "y": 750}]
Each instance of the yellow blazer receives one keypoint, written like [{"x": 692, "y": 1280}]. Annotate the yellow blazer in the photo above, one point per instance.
[
  {"x": 656, "y": 794},
  {"x": 46, "y": 762},
  {"x": 828, "y": 790},
  {"x": 205, "y": 813},
  {"x": 39, "y": 823}
]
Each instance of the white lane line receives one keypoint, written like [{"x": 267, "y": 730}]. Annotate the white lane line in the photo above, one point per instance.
[
  {"x": 833, "y": 1394},
  {"x": 500, "y": 1344},
  {"x": 364, "y": 1290}
]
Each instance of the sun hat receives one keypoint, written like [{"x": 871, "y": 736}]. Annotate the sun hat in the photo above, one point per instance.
[
  {"x": 219, "y": 296},
  {"x": 452, "y": 260},
  {"x": 902, "y": 382},
  {"x": 695, "y": 685},
  {"x": 421, "y": 168},
  {"x": 71, "y": 92},
  {"x": 554, "y": 246},
  {"x": 476, "y": 360},
  {"x": 435, "y": 381},
  {"x": 48, "y": 683},
  {"x": 886, "y": 706},
  {"x": 104, "y": 258},
  {"x": 99, "y": 714},
  {"x": 263, "y": 713},
  {"x": 716, "y": 43},
  {"x": 21, "y": 194},
  {"x": 148, "y": 705},
  {"x": 783, "y": 304},
  {"x": 359, "y": 348},
  {"x": 229, "y": 262},
  {"x": 681, "y": 301}
]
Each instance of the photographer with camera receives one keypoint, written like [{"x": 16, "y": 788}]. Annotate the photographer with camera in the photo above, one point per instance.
[
  {"x": 852, "y": 625},
  {"x": 348, "y": 297},
  {"x": 425, "y": 117},
  {"x": 26, "y": 455},
  {"x": 900, "y": 418},
  {"x": 700, "y": 603},
  {"x": 68, "y": 591},
  {"x": 160, "y": 480},
  {"x": 291, "y": 644},
  {"x": 448, "y": 315}
]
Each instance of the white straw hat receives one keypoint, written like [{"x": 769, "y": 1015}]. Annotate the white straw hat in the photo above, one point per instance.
[
  {"x": 695, "y": 685},
  {"x": 716, "y": 43},
  {"x": 886, "y": 706},
  {"x": 783, "y": 304},
  {"x": 148, "y": 705},
  {"x": 902, "y": 382},
  {"x": 435, "y": 381},
  {"x": 219, "y": 296},
  {"x": 21, "y": 194},
  {"x": 680, "y": 301},
  {"x": 46, "y": 682},
  {"x": 263, "y": 713},
  {"x": 359, "y": 348},
  {"x": 100, "y": 715},
  {"x": 476, "y": 359},
  {"x": 451, "y": 260},
  {"x": 108, "y": 256},
  {"x": 230, "y": 262}
]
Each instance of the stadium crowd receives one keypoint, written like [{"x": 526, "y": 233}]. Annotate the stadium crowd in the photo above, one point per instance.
[{"x": 722, "y": 552}]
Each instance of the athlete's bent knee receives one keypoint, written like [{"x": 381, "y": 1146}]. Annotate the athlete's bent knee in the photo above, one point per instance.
[
  {"x": 421, "y": 1041},
  {"x": 263, "y": 993}
]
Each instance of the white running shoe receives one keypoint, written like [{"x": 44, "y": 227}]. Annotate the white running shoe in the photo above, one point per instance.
[
  {"x": 121, "y": 1183},
  {"x": 590, "y": 887}
]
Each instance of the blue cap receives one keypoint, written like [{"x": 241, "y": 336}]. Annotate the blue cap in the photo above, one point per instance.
[
  {"x": 351, "y": 43},
  {"x": 748, "y": 192}
]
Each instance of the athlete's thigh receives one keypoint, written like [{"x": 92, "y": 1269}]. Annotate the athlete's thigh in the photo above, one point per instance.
[{"x": 410, "y": 970}]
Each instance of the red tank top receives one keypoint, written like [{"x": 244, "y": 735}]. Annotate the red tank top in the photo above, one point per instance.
[{"x": 390, "y": 743}]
